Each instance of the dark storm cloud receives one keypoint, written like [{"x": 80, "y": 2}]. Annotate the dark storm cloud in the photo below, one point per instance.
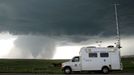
[
  {"x": 68, "y": 17},
  {"x": 67, "y": 22}
]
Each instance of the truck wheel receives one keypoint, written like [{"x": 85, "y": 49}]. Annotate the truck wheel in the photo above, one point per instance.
[
  {"x": 105, "y": 70},
  {"x": 67, "y": 70}
]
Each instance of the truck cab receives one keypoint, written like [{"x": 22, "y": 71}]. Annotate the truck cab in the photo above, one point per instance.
[{"x": 72, "y": 65}]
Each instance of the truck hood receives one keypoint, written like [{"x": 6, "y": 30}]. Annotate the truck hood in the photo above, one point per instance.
[{"x": 65, "y": 63}]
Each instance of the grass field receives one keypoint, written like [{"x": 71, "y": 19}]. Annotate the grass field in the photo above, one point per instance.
[
  {"x": 128, "y": 65},
  {"x": 47, "y": 66}
]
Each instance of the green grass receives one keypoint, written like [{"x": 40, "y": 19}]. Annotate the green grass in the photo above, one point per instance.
[
  {"x": 128, "y": 65},
  {"x": 47, "y": 66},
  {"x": 30, "y": 65}
]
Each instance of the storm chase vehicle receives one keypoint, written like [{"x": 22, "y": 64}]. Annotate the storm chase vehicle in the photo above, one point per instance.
[{"x": 103, "y": 59}]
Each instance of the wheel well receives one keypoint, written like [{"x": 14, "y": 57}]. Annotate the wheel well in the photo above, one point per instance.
[
  {"x": 67, "y": 67},
  {"x": 105, "y": 67}
]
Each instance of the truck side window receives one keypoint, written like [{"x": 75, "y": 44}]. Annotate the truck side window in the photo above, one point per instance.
[
  {"x": 92, "y": 54},
  {"x": 75, "y": 59},
  {"x": 104, "y": 55}
]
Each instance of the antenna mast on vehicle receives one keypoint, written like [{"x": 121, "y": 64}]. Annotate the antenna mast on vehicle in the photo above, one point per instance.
[{"x": 117, "y": 27}]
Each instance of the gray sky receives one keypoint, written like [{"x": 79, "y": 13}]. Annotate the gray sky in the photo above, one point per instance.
[
  {"x": 68, "y": 17},
  {"x": 41, "y": 24}
]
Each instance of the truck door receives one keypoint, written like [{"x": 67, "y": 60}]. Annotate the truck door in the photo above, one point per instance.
[
  {"x": 115, "y": 56},
  {"x": 93, "y": 61},
  {"x": 76, "y": 64},
  {"x": 90, "y": 62},
  {"x": 105, "y": 59}
]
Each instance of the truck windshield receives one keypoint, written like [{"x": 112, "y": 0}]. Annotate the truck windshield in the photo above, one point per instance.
[{"x": 75, "y": 59}]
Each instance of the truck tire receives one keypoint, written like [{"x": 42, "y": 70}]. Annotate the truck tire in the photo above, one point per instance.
[
  {"x": 105, "y": 70},
  {"x": 67, "y": 70}
]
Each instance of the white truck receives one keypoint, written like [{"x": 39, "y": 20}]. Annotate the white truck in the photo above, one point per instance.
[{"x": 103, "y": 59}]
